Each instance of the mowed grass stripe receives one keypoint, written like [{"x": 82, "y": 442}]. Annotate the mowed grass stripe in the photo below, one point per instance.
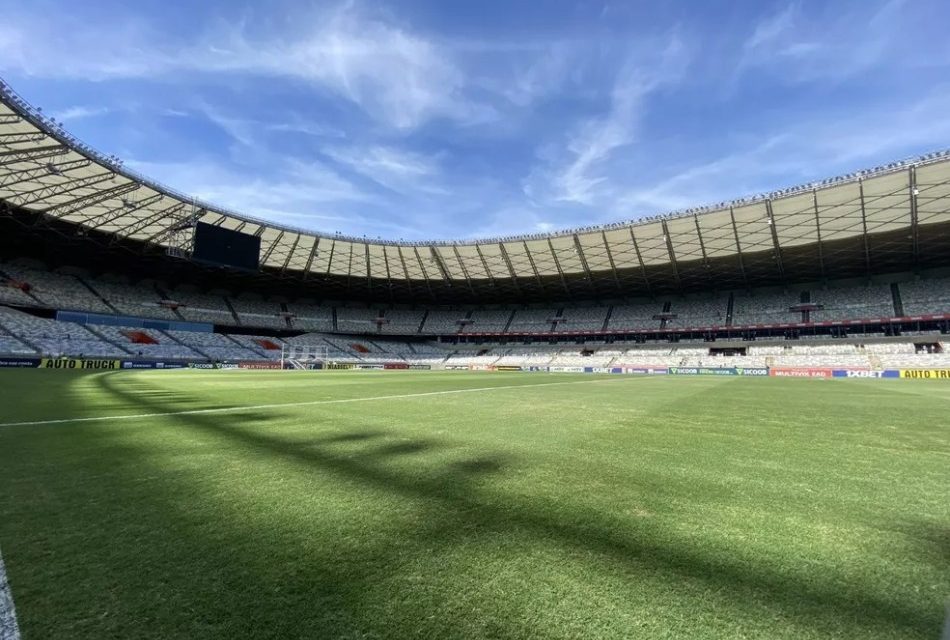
[
  {"x": 659, "y": 508},
  {"x": 305, "y": 403}
]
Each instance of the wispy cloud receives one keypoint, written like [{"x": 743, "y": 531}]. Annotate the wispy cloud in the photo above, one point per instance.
[
  {"x": 80, "y": 113},
  {"x": 576, "y": 173}
]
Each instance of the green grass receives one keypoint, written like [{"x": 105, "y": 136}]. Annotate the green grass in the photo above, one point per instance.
[{"x": 614, "y": 508}]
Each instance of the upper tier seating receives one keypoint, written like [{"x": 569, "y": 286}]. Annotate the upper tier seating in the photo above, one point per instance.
[
  {"x": 140, "y": 300},
  {"x": 582, "y": 319},
  {"x": 765, "y": 308},
  {"x": 844, "y": 303},
  {"x": 356, "y": 320},
  {"x": 443, "y": 321},
  {"x": 635, "y": 316},
  {"x": 147, "y": 342},
  {"x": 401, "y": 321},
  {"x": 255, "y": 312},
  {"x": 926, "y": 296},
  {"x": 203, "y": 307},
  {"x": 311, "y": 317},
  {"x": 698, "y": 313},
  {"x": 56, "y": 290},
  {"x": 488, "y": 321},
  {"x": 532, "y": 321}
]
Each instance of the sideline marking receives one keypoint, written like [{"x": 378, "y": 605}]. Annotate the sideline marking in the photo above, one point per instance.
[
  {"x": 8, "y": 626},
  {"x": 189, "y": 412}
]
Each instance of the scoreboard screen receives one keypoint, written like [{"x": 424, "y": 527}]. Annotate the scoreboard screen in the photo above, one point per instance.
[{"x": 227, "y": 248}]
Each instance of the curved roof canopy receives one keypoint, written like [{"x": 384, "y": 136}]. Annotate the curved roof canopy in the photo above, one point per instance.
[{"x": 890, "y": 218}]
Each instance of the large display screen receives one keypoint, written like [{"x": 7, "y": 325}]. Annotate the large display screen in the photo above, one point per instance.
[{"x": 225, "y": 247}]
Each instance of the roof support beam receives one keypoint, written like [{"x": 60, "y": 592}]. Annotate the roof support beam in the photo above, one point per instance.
[
  {"x": 389, "y": 275},
  {"x": 369, "y": 268},
  {"x": 19, "y": 137},
  {"x": 31, "y": 155},
  {"x": 914, "y": 217},
  {"x": 405, "y": 269},
  {"x": 270, "y": 249},
  {"x": 290, "y": 254},
  {"x": 171, "y": 211},
  {"x": 864, "y": 228},
  {"x": 437, "y": 259},
  {"x": 46, "y": 192},
  {"x": 702, "y": 245},
  {"x": 735, "y": 233},
  {"x": 778, "y": 248},
  {"x": 468, "y": 278},
  {"x": 425, "y": 274},
  {"x": 491, "y": 276},
  {"x": 557, "y": 263},
  {"x": 67, "y": 208},
  {"x": 122, "y": 210},
  {"x": 610, "y": 259},
  {"x": 534, "y": 267},
  {"x": 511, "y": 268},
  {"x": 821, "y": 249},
  {"x": 669, "y": 248},
  {"x": 9, "y": 118},
  {"x": 643, "y": 266},
  {"x": 25, "y": 175},
  {"x": 580, "y": 254},
  {"x": 314, "y": 252}
]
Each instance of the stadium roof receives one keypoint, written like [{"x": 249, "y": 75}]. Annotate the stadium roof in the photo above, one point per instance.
[{"x": 891, "y": 218}]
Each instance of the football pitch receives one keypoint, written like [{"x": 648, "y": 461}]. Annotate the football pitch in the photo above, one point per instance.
[{"x": 361, "y": 505}]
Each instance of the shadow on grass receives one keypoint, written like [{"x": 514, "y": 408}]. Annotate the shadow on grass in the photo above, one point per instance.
[
  {"x": 327, "y": 598},
  {"x": 809, "y": 603}
]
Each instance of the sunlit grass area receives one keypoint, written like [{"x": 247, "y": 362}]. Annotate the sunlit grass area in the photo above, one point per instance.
[{"x": 614, "y": 507}]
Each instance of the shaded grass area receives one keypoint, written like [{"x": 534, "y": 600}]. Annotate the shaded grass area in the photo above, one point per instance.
[{"x": 651, "y": 508}]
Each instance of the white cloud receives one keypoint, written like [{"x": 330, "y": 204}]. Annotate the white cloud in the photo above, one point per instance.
[
  {"x": 80, "y": 113},
  {"x": 577, "y": 172},
  {"x": 397, "y": 76}
]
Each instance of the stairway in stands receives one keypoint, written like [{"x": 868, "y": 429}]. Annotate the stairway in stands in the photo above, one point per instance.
[{"x": 91, "y": 329}]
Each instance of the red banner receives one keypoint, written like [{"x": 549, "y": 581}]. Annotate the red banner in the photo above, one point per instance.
[{"x": 796, "y": 372}]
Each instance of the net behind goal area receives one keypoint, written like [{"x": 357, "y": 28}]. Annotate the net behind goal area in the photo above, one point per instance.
[{"x": 303, "y": 353}]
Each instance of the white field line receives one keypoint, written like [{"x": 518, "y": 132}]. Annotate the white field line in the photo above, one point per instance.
[
  {"x": 8, "y": 625},
  {"x": 306, "y": 403}
]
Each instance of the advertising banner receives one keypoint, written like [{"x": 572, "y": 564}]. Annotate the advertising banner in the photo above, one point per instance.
[
  {"x": 396, "y": 365},
  {"x": 456, "y": 367},
  {"x": 702, "y": 371},
  {"x": 864, "y": 373},
  {"x": 799, "y": 372},
  {"x": 141, "y": 364},
  {"x": 752, "y": 371},
  {"x": 566, "y": 369},
  {"x": 507, "y": 367},
  {"x": 420, "y": 367},
  {"x": 374, "y": 366},
  {"x": 649, "y": 371},
  {"x": 926, "y": 374},
  {"x": 259, "y": 365},
  {"x": 75, "y": 363},
  {"x": 19, "y": 363},
  {"x": 339, "y": 365},
  {"x": 200, "y": 365}
]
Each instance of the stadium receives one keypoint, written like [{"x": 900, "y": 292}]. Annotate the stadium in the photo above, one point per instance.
[{"x": 727, "y": 421}]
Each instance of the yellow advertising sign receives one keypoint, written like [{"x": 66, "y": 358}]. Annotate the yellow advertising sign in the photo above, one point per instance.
[
  {"x": 75, "y": 363},
  {"x": 926, "y": 374}
]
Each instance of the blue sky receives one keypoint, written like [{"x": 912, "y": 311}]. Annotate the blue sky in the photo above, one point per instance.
[{"x": 434, "y": 119}]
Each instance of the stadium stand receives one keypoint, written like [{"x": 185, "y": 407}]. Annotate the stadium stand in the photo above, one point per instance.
[
  {"x": 532, "y": 320},
  {"x": 926, "y": 296},
  {"x": 256, "y": 312},
  {"x": 635, "y": 316},
  {"x": 582, "y": 319},
  {"x": 443, "y": 321},
  {"x": 765, "y": 308},
  {"x": 141, "y": 300},
  {"x": 402, "y": 322},
  {"x": 845, "y": 303},
  {"x": 308, "y": 316}
]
